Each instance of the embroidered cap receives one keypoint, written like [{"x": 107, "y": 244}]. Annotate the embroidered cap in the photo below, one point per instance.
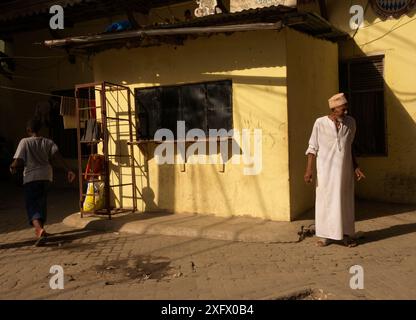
[{"x": 337, "y": 100}]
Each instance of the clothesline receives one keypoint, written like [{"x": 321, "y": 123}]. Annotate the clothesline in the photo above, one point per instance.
[
  {"x": 67, "y": 107},
  {"x": 32, "y": 58},
  {"x": 42, "y": 93}
]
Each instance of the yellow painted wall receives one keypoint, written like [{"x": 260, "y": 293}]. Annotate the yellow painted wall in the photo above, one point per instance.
[
  {"x": 391, "y": 178},
  {"x": 256, "y": 63},
  {"x": 312, "y": 78}
]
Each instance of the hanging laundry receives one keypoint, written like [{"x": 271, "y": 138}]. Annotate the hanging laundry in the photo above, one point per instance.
[
  {"x": 93, "y": 111},
  {"x": 92, "y": 131},
  {"x": 95, "y": 166},
  {"x": 70, "y": 122},
  {"x": 68, "y": 112},
  {"x": 68, "y": 107},
  {"x": 83, "y": 105}
]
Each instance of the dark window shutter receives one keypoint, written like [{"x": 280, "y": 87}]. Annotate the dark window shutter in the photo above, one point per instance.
[
  {"x": 219, "y": 105},
  {"x": 170, "y": 109},
  {"x": 202, "y": 106},
  {"x": 343, "y": 77},
  {"x": 363, "y": 81},
  {"x": 194, "y": 105},
  {"x": 148, "y": 112},
  {"x": 369, "y": 115},
  {"x": 367, "y": 74}
]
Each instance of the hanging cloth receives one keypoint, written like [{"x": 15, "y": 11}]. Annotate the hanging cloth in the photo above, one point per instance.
[
  {"x": 68, "y": 107},
  {"x": 92, "y": 131},
  {"x": 95, "y": 166}
]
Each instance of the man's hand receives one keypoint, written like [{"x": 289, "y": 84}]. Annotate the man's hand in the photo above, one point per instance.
[
  {"x": 71, "y": 176},
  {"x": 359, "y": 174},
  {"x": 308, "y": 176}
]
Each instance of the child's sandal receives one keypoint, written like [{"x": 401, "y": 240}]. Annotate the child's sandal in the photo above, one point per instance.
[{"x": 42, "y": 237}]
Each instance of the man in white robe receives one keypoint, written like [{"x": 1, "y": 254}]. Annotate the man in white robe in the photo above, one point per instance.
[{"x": 331, "y": 145}]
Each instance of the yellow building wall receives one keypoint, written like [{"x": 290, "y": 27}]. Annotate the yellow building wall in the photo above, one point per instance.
[
  {"x": 392, "y": 177},
  {"x": 256, "y": 64},
  {"x": 312, "y": 77}
]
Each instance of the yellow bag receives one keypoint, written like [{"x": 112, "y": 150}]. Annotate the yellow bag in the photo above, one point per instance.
[{"x": 94, "y": 199}]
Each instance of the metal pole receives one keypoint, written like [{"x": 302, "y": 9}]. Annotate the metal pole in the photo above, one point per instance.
[
  {"x": 132, "y": 159},
  {"x": 105, "y": 149},
  {"x": 80, "y": 178}
]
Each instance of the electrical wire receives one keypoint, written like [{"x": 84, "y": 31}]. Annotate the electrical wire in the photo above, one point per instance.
[
  {"x": 387, "y": 33},
  {"x": 41, "y": 93},
  {"x": 31, "y": 91},
  {"x": 33, "y": 58},
  {"x": 365, "y": 10}
]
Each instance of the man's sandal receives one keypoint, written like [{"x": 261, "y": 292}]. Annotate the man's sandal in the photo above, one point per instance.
[
  {"x": 323, "y": 242},
  {"x": 350, "y": 242}
]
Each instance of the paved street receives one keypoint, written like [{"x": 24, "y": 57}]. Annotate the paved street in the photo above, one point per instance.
[{"x": 109, "y": 265}]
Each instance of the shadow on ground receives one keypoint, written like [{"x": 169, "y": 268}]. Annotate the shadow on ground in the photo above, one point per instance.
[
  {"x": 63, "y": 239},
  {"x": 61, "y": 203},
  {"x": 366, "y": 210}
]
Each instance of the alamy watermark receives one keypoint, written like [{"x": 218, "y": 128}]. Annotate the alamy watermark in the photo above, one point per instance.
[
  {"x": 56, "y": 282},
  {"x": 357, "y": 20},
  {"x": 357, "y": 280},
  {"x": 57, "y": 20},
  {"x": 197, "y": 153}
]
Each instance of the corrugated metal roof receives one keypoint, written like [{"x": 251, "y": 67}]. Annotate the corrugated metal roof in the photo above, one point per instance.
[
  {"x": 266, "y": 14},
  {"x": 24, "y": 15},
  {"x": 309, "y": 23}
]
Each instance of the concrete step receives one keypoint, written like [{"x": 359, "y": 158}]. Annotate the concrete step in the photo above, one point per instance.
[{"x": 244, "y": 229}]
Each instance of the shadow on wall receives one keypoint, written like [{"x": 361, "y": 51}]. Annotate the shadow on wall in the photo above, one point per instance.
[
  {"x": 148, "y": 196},
  {"x": 197, "y": 60},
  {"x": 370, "y": 15},
  {"x": 392, "y": 177},
  {"x": 167, "y": 184}
]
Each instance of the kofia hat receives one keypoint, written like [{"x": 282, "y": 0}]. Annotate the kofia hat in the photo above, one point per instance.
[{"x": 337, "y": 100}]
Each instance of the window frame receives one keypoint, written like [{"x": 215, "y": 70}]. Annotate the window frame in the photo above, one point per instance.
[
  {"x": 348, "y": 62},
  {"x": 151, "y": 139}
]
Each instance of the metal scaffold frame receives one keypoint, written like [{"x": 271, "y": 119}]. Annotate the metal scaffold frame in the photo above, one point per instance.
[{"x": 101, "y": 89}]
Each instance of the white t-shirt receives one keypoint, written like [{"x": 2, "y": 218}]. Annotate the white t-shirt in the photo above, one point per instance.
[{"x": 36, "y": 152}]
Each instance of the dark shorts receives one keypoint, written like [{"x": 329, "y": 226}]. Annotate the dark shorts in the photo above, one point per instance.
[{"x": 35, "y": 198}]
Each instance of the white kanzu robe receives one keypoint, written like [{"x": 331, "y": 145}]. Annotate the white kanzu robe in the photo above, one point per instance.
[{"x": 334, "y": 206}]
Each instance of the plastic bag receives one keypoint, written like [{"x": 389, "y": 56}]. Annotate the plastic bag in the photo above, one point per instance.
[{"x": 94, "y": 199}]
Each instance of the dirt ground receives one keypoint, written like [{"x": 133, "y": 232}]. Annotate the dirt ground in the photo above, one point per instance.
[{"x": 109, "y": 265}]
